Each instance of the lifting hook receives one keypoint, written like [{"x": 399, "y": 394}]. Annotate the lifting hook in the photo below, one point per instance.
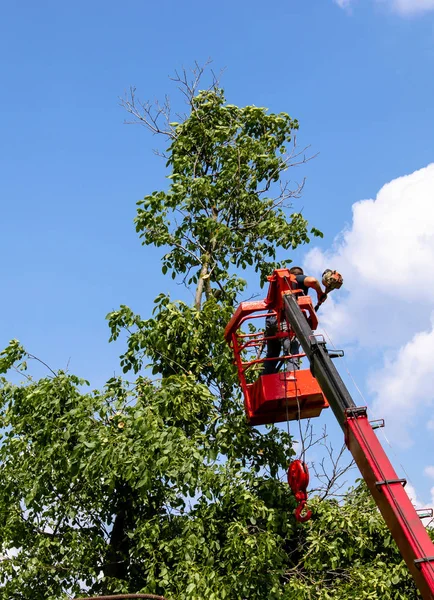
[{"x": 298, "y": 479}]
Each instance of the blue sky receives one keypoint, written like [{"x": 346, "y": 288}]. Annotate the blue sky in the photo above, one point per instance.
[{"x": 357, "y": 75}]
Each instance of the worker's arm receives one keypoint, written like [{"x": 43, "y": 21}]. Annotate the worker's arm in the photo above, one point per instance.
[{"x": 314, "y": 284}]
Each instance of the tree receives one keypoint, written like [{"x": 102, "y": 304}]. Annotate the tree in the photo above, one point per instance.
[
  {"x": 157, "y": 484},
  {"x": 226, "y": 202}
]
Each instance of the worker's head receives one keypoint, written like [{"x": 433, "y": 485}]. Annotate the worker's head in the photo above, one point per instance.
[{"x": 296, "y": 271}]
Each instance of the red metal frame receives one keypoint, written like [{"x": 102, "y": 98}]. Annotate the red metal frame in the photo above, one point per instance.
[
  {"x": 282, "y": 396},
  {"x": 281, "y": 282}
]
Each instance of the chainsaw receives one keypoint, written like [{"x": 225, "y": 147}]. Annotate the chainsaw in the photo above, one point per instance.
[{"x": 331, "y": 280}]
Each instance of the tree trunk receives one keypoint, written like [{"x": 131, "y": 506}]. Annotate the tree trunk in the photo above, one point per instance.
[
  {"x": 200, "y": 285},
  {"x": 117, "y": 559}
]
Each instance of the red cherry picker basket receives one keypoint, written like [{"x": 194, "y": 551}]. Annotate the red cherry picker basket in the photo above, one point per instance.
[{"x": 286, "y": 395}]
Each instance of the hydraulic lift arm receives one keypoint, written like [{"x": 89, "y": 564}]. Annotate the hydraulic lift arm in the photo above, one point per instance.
[{"x": 386, "y": 488}]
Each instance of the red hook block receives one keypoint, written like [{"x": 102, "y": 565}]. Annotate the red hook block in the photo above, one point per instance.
[{"x": 298, "y": 479}]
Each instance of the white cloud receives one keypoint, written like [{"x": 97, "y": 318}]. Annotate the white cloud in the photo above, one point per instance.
[
  {"x": 405, "y": 386},
  {"x": 411, "y": 493},
  {"x": 409, "y": 7},
  {"x": 429, "y": 471},
  {"x": 401, "y": 7},
  {"x": 386, "y": 257},
  {"x": 343, "y": 3},
  {"x": 418, "y": 504}
]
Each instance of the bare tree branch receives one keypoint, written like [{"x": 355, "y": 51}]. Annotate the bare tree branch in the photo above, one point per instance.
[
  {"x": 148, "y": 114},
  {"x": 330, "y": 470}
]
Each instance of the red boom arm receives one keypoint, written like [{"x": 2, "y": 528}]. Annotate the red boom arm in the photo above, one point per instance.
[
  {"x": 267, "y": 401},
  {"x": 386, "y": 488}
]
